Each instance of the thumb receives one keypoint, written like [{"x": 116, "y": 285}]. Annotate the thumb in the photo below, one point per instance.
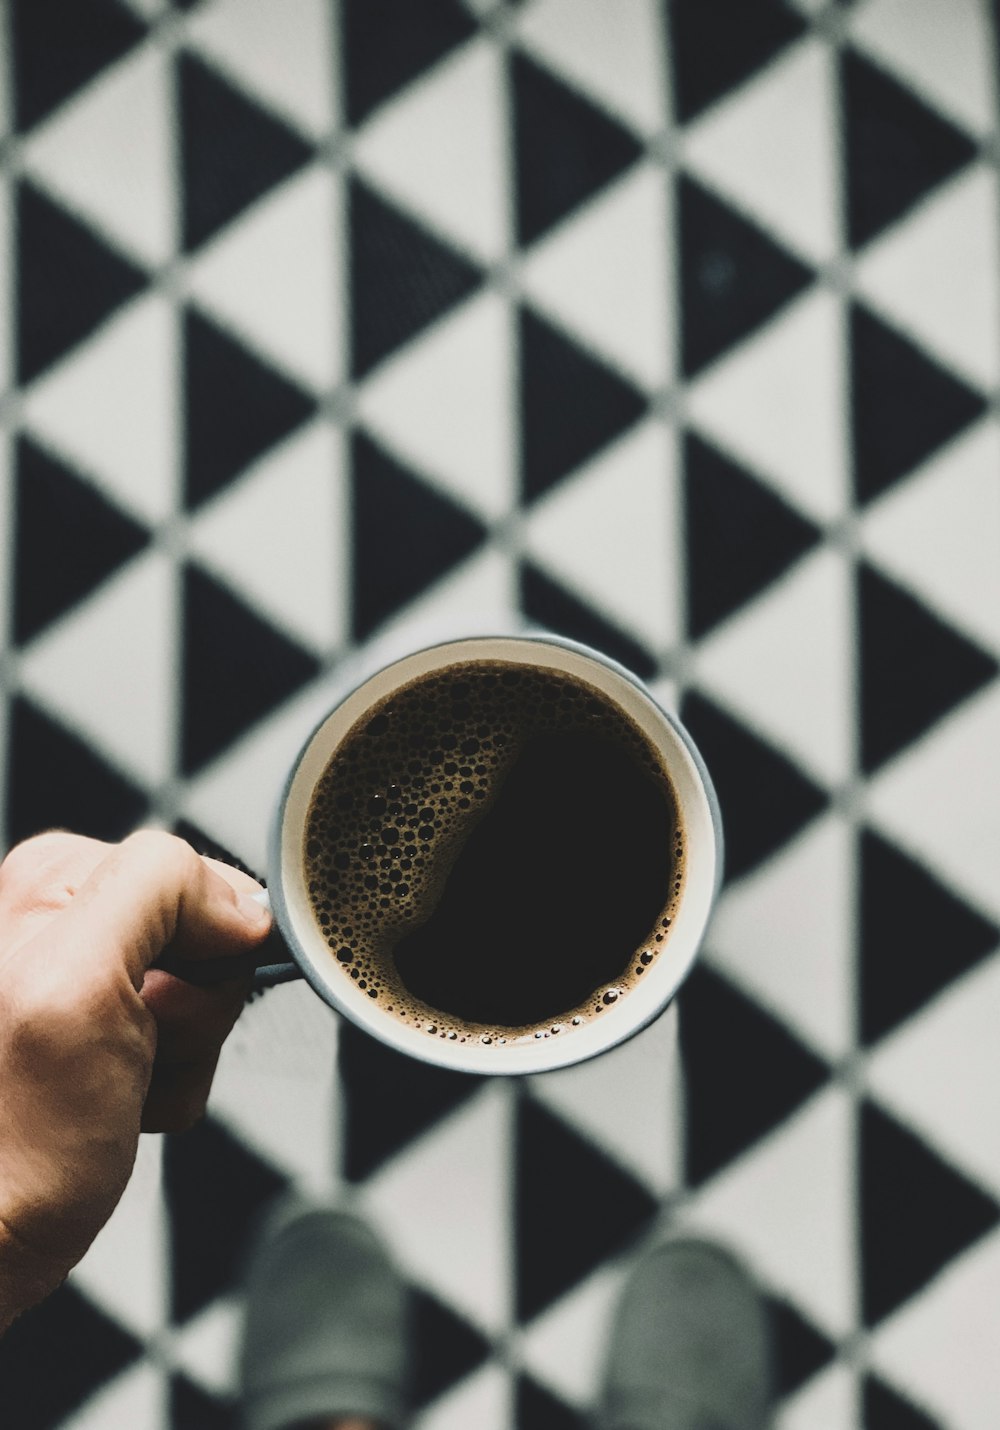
[{"x": 152, "y": 891}]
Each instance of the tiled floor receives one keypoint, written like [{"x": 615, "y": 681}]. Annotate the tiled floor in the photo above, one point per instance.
[{"x": 673, "y": 327}]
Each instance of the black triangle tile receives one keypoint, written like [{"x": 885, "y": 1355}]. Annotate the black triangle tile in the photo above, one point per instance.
[
  {"x": 733, "y": 276},
  {"x": 571, "y": 405},
  {"x": 725, "y": 1114},
  {"x": 765, "y": 799},
  {"x": 232, "y": 151},
  {"x": 740, "y": 536},
  {"x": 389, "y": 1099},
  {"x": 574, "y": 1208},
  {"x": 904, "y": 405},
  {"x": 235, "y": 408},
  {"x": 886, "y": 1409},
  {"x": 444, "y": 1348},
  {"x": 717, "y": 44},
  {"x": 916, "y": 937},
  {"x": 191, "y": 1408},
  {"x": 56, "y": 781},
  {"x": 216, "y": 1190},
  {"x": 391, "y": 42},
  {"x": 917, "y": 1213},
  {"x": 68, "y": 539},
  {"x": 68, "y": 281},
  {"x": 405, "y": 536},
  {"x": 401, "y": 278},
  {"x": 60, "y": 45},
  {"x": 565, "y": 150},
  {"x": 914, "y": 668},
  {"x": 547, "y": 604},
  {"x": 237, "y": 669},
  {"x": 897, "y": 149},
  {"x": 38, "y": 1391},
  {"x": 538, "y": 1409},
  {"x": 799, "y": 1350}
]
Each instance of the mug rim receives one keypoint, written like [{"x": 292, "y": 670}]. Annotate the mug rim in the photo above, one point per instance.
[{"x": 525, "y": 1054}]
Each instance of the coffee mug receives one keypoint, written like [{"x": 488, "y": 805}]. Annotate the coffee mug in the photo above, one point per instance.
[{"x": 362, "y": 827}]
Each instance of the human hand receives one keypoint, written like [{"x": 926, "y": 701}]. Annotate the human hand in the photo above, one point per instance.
[{"x": 95, "y": 1044}]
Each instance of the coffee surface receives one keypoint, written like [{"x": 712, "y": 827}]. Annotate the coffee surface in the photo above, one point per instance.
[{"x": 493, "y": 852}]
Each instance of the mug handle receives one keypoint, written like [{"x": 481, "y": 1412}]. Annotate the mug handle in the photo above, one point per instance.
[{"x": 263, "y": 962}]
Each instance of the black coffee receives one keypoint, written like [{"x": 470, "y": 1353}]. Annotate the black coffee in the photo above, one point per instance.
[{"x": 494, "y": 851}]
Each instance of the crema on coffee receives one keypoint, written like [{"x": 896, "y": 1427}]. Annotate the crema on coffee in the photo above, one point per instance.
[{"x": 494, "y": 852}]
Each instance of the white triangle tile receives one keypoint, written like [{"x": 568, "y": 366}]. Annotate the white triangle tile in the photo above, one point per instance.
[
  {"x": 785, "y": 935},
  {"x": 282, "y": 55},
  {"x": 956, "y": 1112},
  {"x": 666, "y": 693},
  {"x": 206, "y": 1348},
  {"x": 942, "y": 1345},
  {"x": 440, "y": 150},
  {"x": 276, "y": 1085},
  {"x": 274, "y": 277},
  {"x": 939, "y": 534},
  {"x": 483, "y": 1400},
  {"x": 279, "y": 536},
  {"x": 628, "y": 1102},
  {"x": 941, "y": 48},
  {"x": 785, "y": 664},
  {"x": 109, "y": 154},
  {"x": 125, "y": 1271},
  {"x": 477, "y": 598},
  {"x": 942, "y": 800},
  {"x": 606, "y": 275},
  {"x": 235, "y": 799},
  {"x": 826, "y": 1402},
  {"x": 137, "y": 1397},
  {"x": 788, "y": 1206},
  {"x": 565, "y": 1347},
  {"x": 771, "y": 148},
  {"x": 445, "y": 406},
  {"x": 444, "y": 1207},
  {"x": 779, "y": 405},
  {"x": 109, "y": 668},
  {"x": 111, "y": 408},
  {"x": 614, "y": 53},
  {"x": 611, "y": 534},
  {"x": 935, "y": 276}
]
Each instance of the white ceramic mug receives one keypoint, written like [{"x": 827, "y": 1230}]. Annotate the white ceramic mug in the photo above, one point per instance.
[{"x": 299, "y": 935}]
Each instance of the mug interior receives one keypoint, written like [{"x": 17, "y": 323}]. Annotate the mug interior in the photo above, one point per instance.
[{"x": 643, "y": 1002}]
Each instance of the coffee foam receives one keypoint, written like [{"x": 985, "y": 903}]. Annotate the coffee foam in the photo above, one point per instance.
[{"x": 403, "y": 792}]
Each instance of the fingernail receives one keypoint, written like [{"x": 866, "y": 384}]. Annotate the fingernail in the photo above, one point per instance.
[{"x": 256, "y": 914}]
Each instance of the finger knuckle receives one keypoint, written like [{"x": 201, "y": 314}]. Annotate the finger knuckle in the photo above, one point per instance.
[
  {"x": 166, "y": 850},
  {"x": 34, "y": 861}
]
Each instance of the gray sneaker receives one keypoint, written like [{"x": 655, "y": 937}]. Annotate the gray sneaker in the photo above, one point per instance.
[
  {"x": 690, "y": 1346},
  {"x": 325, "y": 1333}
]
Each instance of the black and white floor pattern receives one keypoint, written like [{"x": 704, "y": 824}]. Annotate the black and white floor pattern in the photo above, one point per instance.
[{"x": 673, "y": 325}]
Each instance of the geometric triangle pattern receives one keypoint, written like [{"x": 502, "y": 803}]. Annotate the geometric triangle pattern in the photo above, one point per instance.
[
  {"x": 917, "y": 1213},
  {"x": 726, "y": 1114},
  {"x": 69, "y": 280},
  {"x": 739, "y": 536},
  {"x": 897, "y": 148},
  {"x": 916, "y": 937},
  {"x": 673, "y": 328},
  {"x": 68, "y": 541},
  {"x": 566, "y": 149},
  {"x": 914, "y": 668}
]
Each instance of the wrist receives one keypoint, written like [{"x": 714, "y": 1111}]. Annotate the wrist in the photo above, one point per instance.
[{"x": 25, "y": 1277}]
